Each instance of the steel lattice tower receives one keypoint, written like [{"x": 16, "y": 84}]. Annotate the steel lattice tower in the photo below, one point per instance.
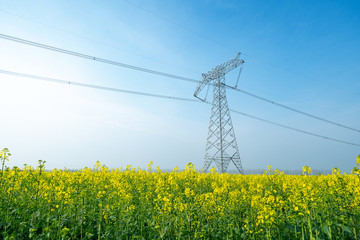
[{"x": 221, "y": 146}]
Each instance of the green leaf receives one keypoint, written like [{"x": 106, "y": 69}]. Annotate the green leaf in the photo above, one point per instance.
[
  {"x": 348, "y": 230},
  {"x": 327, "y": 231}
]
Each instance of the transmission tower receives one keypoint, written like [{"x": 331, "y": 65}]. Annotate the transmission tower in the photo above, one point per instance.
[{"x": 221, "y": 146}]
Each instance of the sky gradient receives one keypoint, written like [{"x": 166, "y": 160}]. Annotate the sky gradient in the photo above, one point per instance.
[{"x": 303, "y": 54}]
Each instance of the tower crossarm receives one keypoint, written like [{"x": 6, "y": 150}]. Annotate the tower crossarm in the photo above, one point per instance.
[{"x": 217, "y": 72}]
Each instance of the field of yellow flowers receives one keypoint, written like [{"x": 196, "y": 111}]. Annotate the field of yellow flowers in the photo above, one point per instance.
[{"x": 102, "y": 203}]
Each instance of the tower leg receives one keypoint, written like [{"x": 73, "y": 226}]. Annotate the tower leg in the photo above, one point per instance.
[{"x": 221, "y": 146}]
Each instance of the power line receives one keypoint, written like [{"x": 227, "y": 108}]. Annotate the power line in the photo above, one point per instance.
[
  {"x": 291, "y": 128},
  {"x": 294, "y": 110},
  {"x": 295, "y": 129},
  {"x": 81, "y": 55},
  {"x": 177, "y": 24},
  {"x": 119, "y": 64},
  {"x": 53, "y": 80},
  {"x": 189, "y": 30},
  {"x": 93, "y": 40},
  {"x": 94, "y": 86}
]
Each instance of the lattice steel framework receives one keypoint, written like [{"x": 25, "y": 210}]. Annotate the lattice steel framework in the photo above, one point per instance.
[{"x": 221, "y": 145}]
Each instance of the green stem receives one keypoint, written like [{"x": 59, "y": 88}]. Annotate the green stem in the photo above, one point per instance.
[{"x": 99, "y": 223}]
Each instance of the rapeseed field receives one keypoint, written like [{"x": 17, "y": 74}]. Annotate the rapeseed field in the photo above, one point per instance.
[{"x": 103, "y": 203}]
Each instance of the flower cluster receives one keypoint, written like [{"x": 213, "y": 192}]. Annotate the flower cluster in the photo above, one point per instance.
[{"x": 147, "y": 204}]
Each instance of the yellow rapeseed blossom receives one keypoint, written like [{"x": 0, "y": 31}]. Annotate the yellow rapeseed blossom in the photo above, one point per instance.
[{"x": 136, "y": 204}]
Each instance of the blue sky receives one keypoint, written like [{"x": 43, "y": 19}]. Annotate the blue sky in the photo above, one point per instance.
[{"x": 303, "y": 54}]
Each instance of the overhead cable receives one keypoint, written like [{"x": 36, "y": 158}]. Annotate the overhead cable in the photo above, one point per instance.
[
  {"x": 23, "y": 75},
  {"x": 91, "y": 40},
  {"x": 182, "y": 26},
  {"x": 295, "y": 129},
  {"x": 94, "y": 86},
  {"x": 77, "y": 54},
  {"x": 294, "y": 110}
]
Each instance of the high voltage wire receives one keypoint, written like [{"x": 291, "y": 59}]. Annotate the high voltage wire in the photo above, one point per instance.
[
  {"x": 77, "y": 54},
  {"x": 295, "y": 129},
  {"x": 187, "y": 29},
  {"x": 94, "y": 86},
  {"x": 53, "y": 80},
  {"x": 178, "y": 25},
  {"x": 294, "y": 110},
  {"x": 93, "y": 40},
  {"x": 119, "y": 64}
]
